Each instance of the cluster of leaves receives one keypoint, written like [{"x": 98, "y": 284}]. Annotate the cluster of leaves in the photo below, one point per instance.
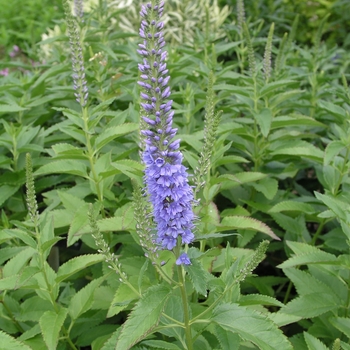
[{"x": 274, "y": 162}]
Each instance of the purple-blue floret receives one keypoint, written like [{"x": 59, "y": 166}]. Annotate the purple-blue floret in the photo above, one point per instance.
[{"x": 165, "y": 176}]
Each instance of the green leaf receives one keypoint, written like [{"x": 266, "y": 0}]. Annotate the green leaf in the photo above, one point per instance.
[
  {"x": 114, "y": 132},
  {"x": 227, "y": 339},
  {"x": 251, "y": 326},
  {"x": 267, "y": 186},
  {"x": 160, "y": 344},
  {"x": 302, "y": 149},
  {"x": 77, "y": 264},
  {"x": 259, "y": 299},
  {"x": 82, "y": 301},
  {"x": 198, "y": 276},
  {"x": 264, "y": 119},
  {"x": 307, "y": 254},
  {"x": 338, "y": 207},
  {"x": 122, "y": 298},
  {"x": 11, "y": 108},
  {"x": 333, "y": 109},
  {"x": 313, "y": 343},
  {"x": 311, "y": 305},
  {"x": 244, "y": 222},
  {"x": 305, "y": 283},
  {"x": 66, "y": 166},
  {"x": 267, "y": 88},
  {"x": 229, "y": 181},
  {"x": 6, "y": 191},
  {"x": 51, "y": 324},
  {"x": 341, "y": 323},
  {"x": 16, "y": 264},
  {"x": 292, "y": 206},
  {"x": 332, "y": 149},
  {"x": 144, "y": 317},
  {"x": 9, "y": 343}
]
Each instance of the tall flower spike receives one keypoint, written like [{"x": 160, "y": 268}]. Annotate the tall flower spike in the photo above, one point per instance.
[
  {"x": 165, "y": 176},
  {"x": 267, "y": 54},
  {"x": 79, "y": 80},
  {"x": 79, "y": 9}
]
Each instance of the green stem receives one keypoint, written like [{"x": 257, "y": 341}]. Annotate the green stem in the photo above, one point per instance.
[
  {"x": 289, "y": 289},
  {"x": 185, "y": 306},
  {"x": 318, "y": 232},
  {"x": 91, "y": 155}
]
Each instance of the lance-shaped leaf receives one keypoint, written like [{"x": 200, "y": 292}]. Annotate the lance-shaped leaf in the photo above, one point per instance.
[
  {"x": 9, "y": 343},
  {"x": 51, "y": 324},
  {"x": 144, "y": 317},
  {"x": 251, "y": 326},
  {"x": 247, "y": 223}
]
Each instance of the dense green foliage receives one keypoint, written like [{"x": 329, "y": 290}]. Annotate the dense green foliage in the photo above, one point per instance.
[{"x": 272, "y": 165}]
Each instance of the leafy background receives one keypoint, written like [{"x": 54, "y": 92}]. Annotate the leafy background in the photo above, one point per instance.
[{"x": 280, "y": 168}]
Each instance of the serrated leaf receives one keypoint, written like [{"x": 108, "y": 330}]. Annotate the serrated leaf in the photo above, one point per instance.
[
  {"x": 267, "y": 88},
  {"x": 251, "y": 326},
  {"x": 313, "y": 343},
  {"x": 51, "y": 324},
  {"x": 267, "y": 186},
  {"x": 82, "y": 301},
  {"x": 144, "y": 317},
  {"x": 227, "y": 339},
  {"x": 11, "y": 108},
  {"x": 77, "y": 264},
  {"x": 264, "y": 119},
  {"x": 110, "y": 343},
  {"x": 341, "y": 323},
  {"x": 304, "y": 150},
  {"x": 198, "y": 276},
  {"x": 160, "y": 344},
  {"x": 114, "y": 132},
  {"x": 311, "y": 305},
  {"x": 333, "y": 109},
  {"x": 332, "y": 149},
  {"x": 9, "y": 343},
  {"x": 6, "y": 191},
  {"x": 122, "y": 298},
  {"x": 229, "y": 181},
  {"x": 259, "y": 299},
  {"x": 292, "y": 206},
  {"x": 305, "y": 283},
  {"x": 247, "y": 223},
  {"x": 66, "y": 166}
]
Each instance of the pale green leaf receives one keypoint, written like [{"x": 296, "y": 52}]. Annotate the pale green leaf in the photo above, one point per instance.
[
  {"x": 264, "y": 119},
  {"x": 267, "y": 186},
  {"x": 229, "y": 181},
  {"x": 144, "y": 317},
  {"x": 313, "y": 343},
  {"x": 251, "y": 326},
  {"x": 160, "y": 344},
  {"x": 82, "y": 301},
  {"x": 51, "y": 324},
  {"x": 311, "y": 305},
  {"x": 259, "y": 299},
  {"x": 113, "y": 132},
  {"x": 272, "y": 87},
  {"x": 6, "y": 191},
  {"x": 292, "y": 206},
  {"x": 227, "y": 339},
  {"x": 332, "y": 149},
  {"x": 77, "y": 264},
  {"x": 244, "y": 222},
  {"x": 9, "y": 343},
  {"x": 334, "y": 109},
  {"x": 122, "y": 298},
  {"x": 11, "y": 108},
  {"x": 66, "y": 166},
  {"x": 341, "y": 323},
  {"x": 198, "y": 276},
  {"x": 16, "y": 264}
]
